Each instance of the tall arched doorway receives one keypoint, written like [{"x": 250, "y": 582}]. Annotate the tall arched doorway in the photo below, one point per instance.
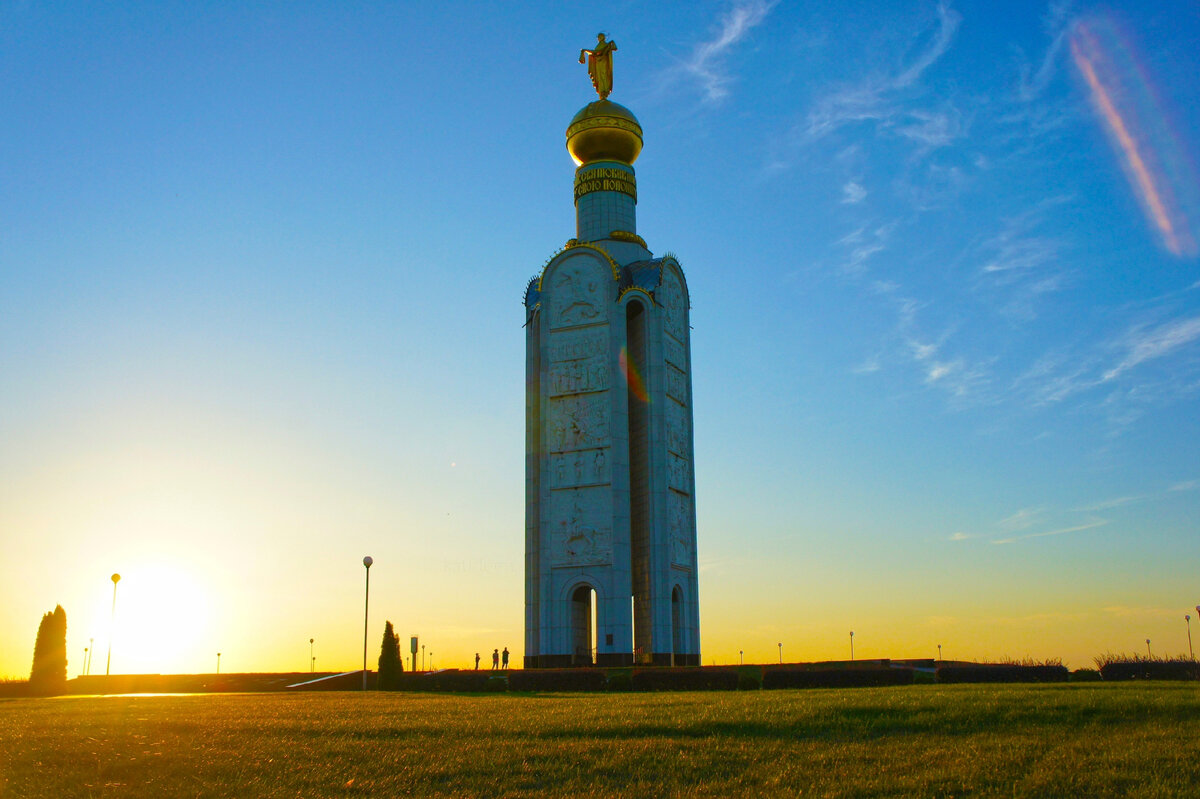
[
  {"x": 583, "y": 626},
  {"x": 677, "y": 626}
]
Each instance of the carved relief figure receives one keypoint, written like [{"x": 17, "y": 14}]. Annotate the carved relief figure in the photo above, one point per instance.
[
  {"x": 677, "y": 473},
  {"x": 576, "y": 297},
  {"x": 676, "y": 385},
  {"x": 579, "y": 468},
  {"x": 578, "y": 423},
  {"x": 673, "y": 302},
  {"x": 578, "y": 540},
  {"x": 679, "y": 527},
  {"x": 677, "y": 429},
  {"x": 579, "y": 376},
  {"x": 569, "y": 345}
]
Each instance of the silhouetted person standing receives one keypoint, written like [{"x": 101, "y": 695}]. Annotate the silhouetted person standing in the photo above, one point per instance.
[
  {"x": 505, "y": 667},
  {"x": 495, "y": 659},
  {"x": 476, "y": 661}
]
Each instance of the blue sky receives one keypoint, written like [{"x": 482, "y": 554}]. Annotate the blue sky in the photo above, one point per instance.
[{"x": 260, "y": 315}]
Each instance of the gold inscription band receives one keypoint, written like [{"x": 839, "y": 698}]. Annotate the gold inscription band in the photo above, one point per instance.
[{"x": 604, "y": 179}]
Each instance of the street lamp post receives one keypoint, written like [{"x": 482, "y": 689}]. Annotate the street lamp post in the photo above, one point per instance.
[
  {"x": 84, "y": 669},
  {"x": 1187, "y": 618},
  {"x": 422, "y": 657},
  {"x": 311, "y": 660},
  {"x": 939, "y": 652},
  {"x": 431, "y": 660},
  {"x": 218, "y": 663},
  {"x": 1148, "y": 648},
  {"x": 91, "y": 651},
  {"x": 852, "y": 644},
  {"x": 116, "y": 578},
  {"x": 367, "y": 561},
  {"x": 741, "y": 660},
  {"x": 780, "y": 645}
]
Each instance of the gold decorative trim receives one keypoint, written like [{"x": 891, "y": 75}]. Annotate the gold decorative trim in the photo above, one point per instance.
[
  {"x": 628, "y": 289},
  {"x": 605, "y": 122},
  {"x": 625, "y": 235}
]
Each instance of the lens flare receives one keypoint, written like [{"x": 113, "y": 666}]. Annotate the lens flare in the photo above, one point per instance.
[
  {"x": 637, "y": 386},
  {"x": 1157, "y": 166}
]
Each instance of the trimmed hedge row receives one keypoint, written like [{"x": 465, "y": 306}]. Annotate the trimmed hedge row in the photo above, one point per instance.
[
  {"x": 685, "y": 679},
  {"x": 1001, "y": 672},
  {"x": 557, "y": 680},
  {"x": 1143, "y": 670},
  {"x": 453, "y": 681},
  {"x": 834, "y": 678}
]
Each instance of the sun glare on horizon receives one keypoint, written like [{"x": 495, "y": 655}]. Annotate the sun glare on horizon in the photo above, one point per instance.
[{"x": 162, "y": 624}]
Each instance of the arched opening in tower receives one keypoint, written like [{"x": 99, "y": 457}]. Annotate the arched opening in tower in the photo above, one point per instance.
[
  {"x": 583, "y": 626},
  {"x": 639, "y": 480},
  {"x": 677, "y": 627}
]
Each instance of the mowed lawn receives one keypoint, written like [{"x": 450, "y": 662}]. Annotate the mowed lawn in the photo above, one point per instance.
[{"x": 1063, "y": 740}]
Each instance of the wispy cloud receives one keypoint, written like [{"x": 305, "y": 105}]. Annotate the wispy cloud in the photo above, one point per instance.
[
  {"x": 707, "y": 64},
  {"x": 1115, "y": 502},
  {"x": 1057, "y": 24},
  {"x": 1093, "y": 523},
  {"x": 853, "y": 193},
  {"x": 861, "y": 245},
  {"x": 878, "y": 99},
  {"x": 867, "y": 367},
  {"x": 1022, "y": 519},
  {"x": 1145, "y": 345},
  {"x": 1186, "y": 485},
  {"x": 1021, "y": 264},
  {"x": 960, "y": 536}
]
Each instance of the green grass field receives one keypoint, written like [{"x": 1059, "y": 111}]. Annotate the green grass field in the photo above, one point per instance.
[{"x": 1054, "y": 740}]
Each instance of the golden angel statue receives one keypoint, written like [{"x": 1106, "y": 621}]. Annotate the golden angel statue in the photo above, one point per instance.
[{"x": 599, "y": 65}]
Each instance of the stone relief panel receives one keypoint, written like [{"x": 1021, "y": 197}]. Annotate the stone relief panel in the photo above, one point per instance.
[
  {"x": 578, "y": 292},
  {"x": 581, "y": 531},
  {"x": 586, "y": 467},
  {"x": 676, "y": 385},
  {"x": 573, "y": 345},
  {"x": 678, "y": 474},
  {"x": 678, "y": 431},
  {"x": 577, "y": 422},
  {"x": 679, "y": 527},
  {"x": 674, "y": 305},
  {"x": 673, "y": 353},
  {"x": 578, "y": 377}
]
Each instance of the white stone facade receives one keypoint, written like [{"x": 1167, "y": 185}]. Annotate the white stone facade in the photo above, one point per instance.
[{"x": 610, "y": 478}]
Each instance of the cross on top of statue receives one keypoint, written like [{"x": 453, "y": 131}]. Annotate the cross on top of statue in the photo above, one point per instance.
[{"x": 599, "y": 65}]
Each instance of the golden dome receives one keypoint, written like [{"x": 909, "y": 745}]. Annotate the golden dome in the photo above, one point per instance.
[{"x": 604, "y": 131}]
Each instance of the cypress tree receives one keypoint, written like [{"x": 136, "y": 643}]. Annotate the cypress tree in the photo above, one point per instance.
[
  {"x": 49, "y": 672},
  {"x": 390, "y": 665}
]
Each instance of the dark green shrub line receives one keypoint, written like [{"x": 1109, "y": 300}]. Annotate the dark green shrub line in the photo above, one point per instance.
[
  {"x": 1001, "y": 672},
  {"x": 835, "y": 678}
]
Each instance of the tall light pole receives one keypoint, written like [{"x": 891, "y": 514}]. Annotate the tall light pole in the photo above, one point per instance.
[
  {"x": 1187, "y": 618},
  {"x": 780, "y": 645},
  {"x": 741, "y": 660},
  {"x": 311, "y": 660},
  {"x": 1148, "y": 648},
  {"x": 218, "y": 663},
  {"x": 939, "y": 652},
  {"x": 367, "y": 561},
  {"x": 852, "y": 644},
  {"x": 91, "y": 651},
  {"x": 116, "y": 578},
  {"x": 422, "y": 657},
  {"x": 85, "y": 651}
]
